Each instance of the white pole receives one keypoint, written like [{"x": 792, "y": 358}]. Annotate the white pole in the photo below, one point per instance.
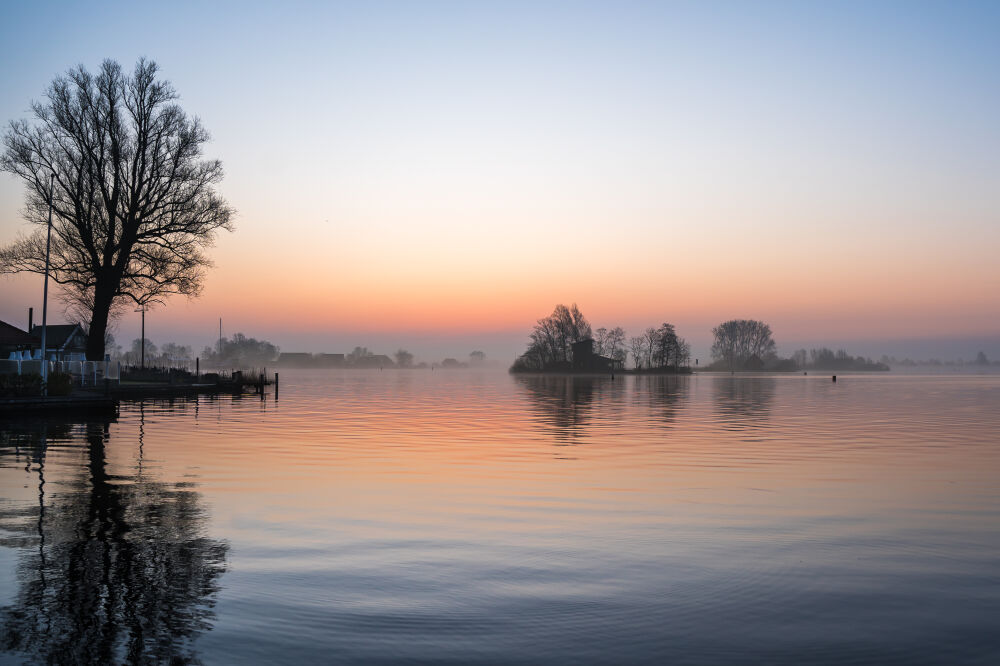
[{"x": 45, "y": 292}]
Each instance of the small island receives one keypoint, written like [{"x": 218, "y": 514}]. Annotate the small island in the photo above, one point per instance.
[{"x": 565, "y": 342}]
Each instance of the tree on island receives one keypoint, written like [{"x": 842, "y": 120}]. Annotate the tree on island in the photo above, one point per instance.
[
  {"x": 637, "y": 345},
  {"x": 660, "y": 348},
  {"x": 610, "y": 343},
  {"x": 743, "y": 344},
  {"x": 552, "y": 339},
  {"x": 553, "y": 342},
  {"x": 133, "y": 204},
  {"x": 404, "y": 359}
]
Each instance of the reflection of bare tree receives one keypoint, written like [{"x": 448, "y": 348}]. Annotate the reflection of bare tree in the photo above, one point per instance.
[
  {"x": 565, "y": 402},
  {"x": 664, "y": 394},
  {"x": 120, "y": 570},
  {"x": 743, "y": 401}
]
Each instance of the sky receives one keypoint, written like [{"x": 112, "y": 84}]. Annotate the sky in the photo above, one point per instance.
[{"x": 437, "y": 176}]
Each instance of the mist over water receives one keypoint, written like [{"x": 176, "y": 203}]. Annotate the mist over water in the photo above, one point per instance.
[{"x": 479, "y": 517}]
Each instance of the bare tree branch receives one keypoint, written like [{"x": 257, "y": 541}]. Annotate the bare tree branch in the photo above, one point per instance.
[{"x": 134, "y": 204}]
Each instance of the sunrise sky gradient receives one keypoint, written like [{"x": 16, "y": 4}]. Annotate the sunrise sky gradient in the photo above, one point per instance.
[{"x": 439, "y": 176}]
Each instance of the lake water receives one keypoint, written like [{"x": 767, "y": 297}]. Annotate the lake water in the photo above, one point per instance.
[{"x": 476, "y": 517}]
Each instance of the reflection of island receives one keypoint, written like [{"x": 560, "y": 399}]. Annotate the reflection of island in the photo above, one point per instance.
[
  {"x": 565, "y": 402},
  {"x": 118, "y": 568},
  {"x": 743, "y": 401},
  {"x": 664, "y": 394}
]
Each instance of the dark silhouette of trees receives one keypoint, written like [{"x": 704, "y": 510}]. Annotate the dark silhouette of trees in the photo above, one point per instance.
[
  {"x": 134, "y": 205},
  {"x": 660, "y": 348},
  {"x": 240, "y": 351},
  {"x": 404, "y": 359},
  {"x": 827, "y": 359},
  {"x": 637, "y": 345},
  {"x": 614, "y": 344},
  {"x": 551, "y": 346},
  {"x": 552, "y": 339},
  {"x": 743, "y": 344},
  {"x": 121, "y": 572}
]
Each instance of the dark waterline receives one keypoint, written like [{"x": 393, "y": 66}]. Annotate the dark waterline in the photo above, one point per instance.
[{"x": 477, "y": 517}]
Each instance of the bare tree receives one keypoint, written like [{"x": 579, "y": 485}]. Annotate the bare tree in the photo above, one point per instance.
[
  {"x": 742, "y": 343},
  {"x": 637, "y": 346},
  {"x": 651, "y": 337},
  {"x": 553, "y": 337},
  {"x": 614, "y": 344},
  {"x": 134, "y": 205},
  {"x": 600, "y": 342}
]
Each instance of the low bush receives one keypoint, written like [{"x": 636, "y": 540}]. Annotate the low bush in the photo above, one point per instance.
[
  {"x": 20, "y": 386},
  {"x": 60, "y": 383}
]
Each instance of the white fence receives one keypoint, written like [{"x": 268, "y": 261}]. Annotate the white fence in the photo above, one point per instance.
[{"x": 84, "y": 373}]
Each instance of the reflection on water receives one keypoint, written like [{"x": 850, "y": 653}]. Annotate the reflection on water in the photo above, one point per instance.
[
  {"x": 472, "y": 517},
  {"x": 663, "y": 395},
  {"x": 743, "y": 402},
  {"x": 113, "y": 568},
  {"x": 564, "y": 402}
]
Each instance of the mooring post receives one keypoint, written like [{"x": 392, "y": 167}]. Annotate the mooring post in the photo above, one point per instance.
[
  {"x": 276, "y": 386},
  {"x": 835, "y": 378},
  {"x": 197, "y": 367}
]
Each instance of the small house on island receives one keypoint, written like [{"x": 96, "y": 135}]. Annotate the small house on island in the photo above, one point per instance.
[{"x": 585, "y": 360}]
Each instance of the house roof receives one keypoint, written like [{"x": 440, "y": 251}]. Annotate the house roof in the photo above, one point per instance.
[
  {"x": 56, "y": 335},
  {"x": 12, "y": 335}
]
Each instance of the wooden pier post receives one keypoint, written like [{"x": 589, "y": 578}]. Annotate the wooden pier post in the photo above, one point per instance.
[{"x": 276, "y": 386}]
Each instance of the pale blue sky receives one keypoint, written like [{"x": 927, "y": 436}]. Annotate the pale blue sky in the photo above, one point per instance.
[{"x": 777, "y": 138}]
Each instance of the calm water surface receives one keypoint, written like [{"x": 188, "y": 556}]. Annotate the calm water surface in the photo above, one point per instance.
[{"x": 477, "y": 517}]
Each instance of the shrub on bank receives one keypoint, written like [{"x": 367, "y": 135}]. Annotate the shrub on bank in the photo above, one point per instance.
[
  {"x": 60, "y": 383},
  {"x": 20, "y": 386}
]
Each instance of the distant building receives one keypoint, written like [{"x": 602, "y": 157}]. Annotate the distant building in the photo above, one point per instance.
[
  {"x": 296, "y": 360},
  {"x": 14, "y": 340},
  {"x": 585, "y": 360},
  {"x": 63, "y": 342},
  {"x": 330, "y": 360}
]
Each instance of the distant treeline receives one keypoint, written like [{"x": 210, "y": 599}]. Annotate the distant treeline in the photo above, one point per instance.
[
  {"x": 981, "y": 360},
  {"x": 565, "y": 342},
  {"x": 827, "y": 359},
  {"x": 363, "y": 358},
  {"x": 241, "y": 351}
]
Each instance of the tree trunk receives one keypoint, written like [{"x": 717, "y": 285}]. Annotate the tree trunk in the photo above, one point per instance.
[{"x": 98, "y": 325}]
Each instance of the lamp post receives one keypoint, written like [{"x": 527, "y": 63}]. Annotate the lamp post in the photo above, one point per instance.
[
  {"x": 45, "y": 291},
  {"x": 142, "y": 337}
]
